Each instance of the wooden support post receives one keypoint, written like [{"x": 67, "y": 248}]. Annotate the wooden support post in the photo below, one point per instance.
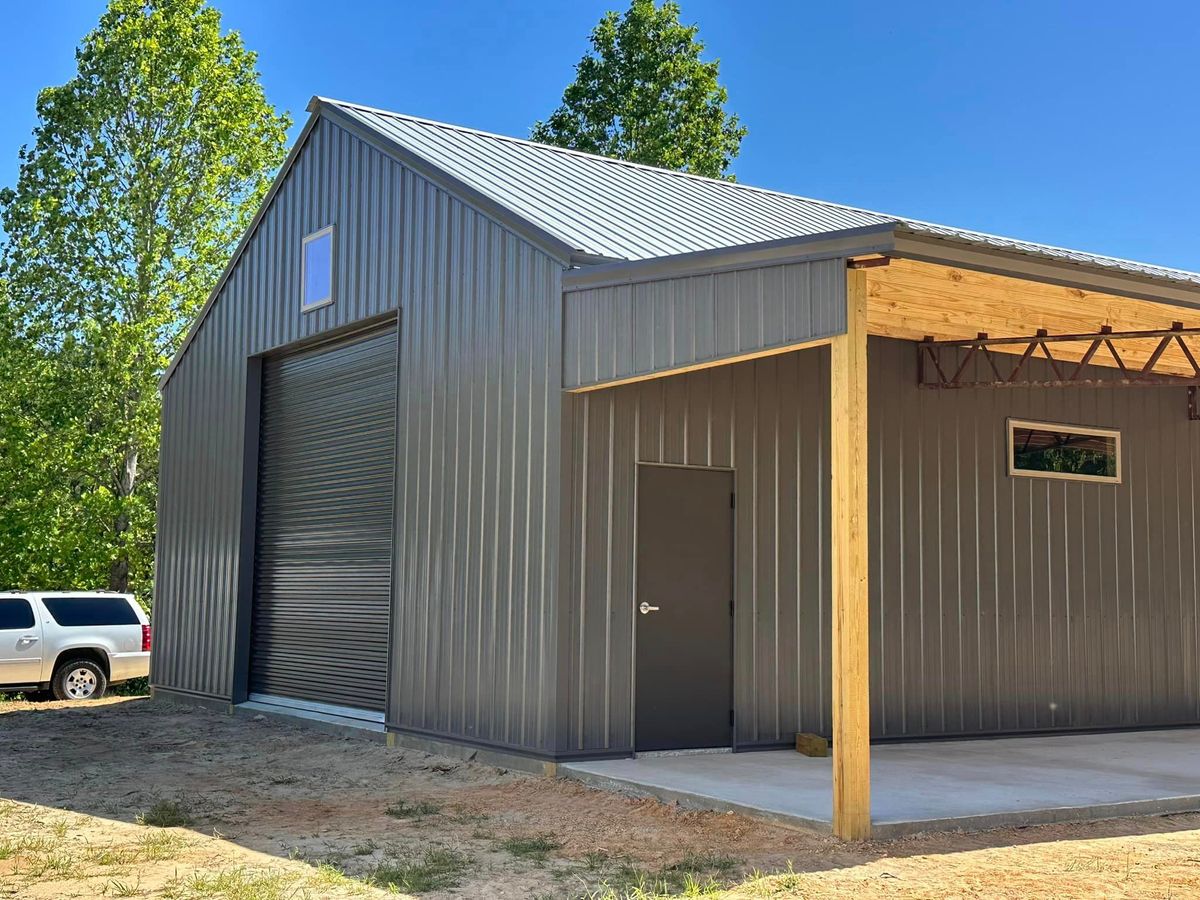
[{"x": 848, "y": 538}]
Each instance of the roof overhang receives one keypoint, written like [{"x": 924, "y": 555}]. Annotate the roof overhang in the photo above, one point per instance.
[
  {"x": 892, "y": 240},
  {"x": 1045, "y": 269},
  {"x": 870, "y": 240}
]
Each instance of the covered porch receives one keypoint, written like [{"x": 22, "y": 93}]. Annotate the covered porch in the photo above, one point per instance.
[
  {"x": 964, "y": 785},
  {"x": 974, "y": 318}
]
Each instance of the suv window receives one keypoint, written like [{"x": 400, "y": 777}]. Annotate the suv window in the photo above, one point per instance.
[
  {"x": 81, "y": 611},
  {"x": 15, "y": 613}
]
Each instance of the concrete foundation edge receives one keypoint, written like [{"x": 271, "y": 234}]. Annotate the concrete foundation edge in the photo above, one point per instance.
[
  {"x": 691, "y": 800},
  {"x": 887, "y": 831}
]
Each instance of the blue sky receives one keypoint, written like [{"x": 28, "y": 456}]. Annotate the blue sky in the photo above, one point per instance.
[{"x": 1068, "y": 123}]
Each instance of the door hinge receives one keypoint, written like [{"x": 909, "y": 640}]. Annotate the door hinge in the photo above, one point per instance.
[
  {"x": 731, "y": 608},
  {"x": 731, "y": 718},
  {"x": 732, "y": 501}
]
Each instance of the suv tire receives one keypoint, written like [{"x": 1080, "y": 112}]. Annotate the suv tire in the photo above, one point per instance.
[{"x": 79, "y": 679}]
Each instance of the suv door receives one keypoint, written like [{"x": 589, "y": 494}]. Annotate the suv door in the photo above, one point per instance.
[{"x": 20, "y": 642}]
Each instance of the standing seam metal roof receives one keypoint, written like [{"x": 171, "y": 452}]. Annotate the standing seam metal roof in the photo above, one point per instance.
[{"x": 623, "y": 210}]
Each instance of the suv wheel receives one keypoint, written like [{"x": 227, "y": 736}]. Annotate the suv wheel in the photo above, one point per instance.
[{"x": 79, "y": 679}]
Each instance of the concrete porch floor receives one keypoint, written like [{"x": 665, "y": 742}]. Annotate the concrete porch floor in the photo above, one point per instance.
[{"x": 963, "y": 785}]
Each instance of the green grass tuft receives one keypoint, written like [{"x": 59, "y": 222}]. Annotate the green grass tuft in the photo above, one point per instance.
[
  {"x": 402, "y": 809},
  {"x": 165, "y": 814},
  {"x": 535, "y": 847},
  {"x": 435, "y": 871}
]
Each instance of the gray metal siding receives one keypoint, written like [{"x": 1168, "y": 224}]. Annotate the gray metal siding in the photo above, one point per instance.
[
  {"x": 623, "y": 331},
  {"x": 1013, "y": 604},
  {"x": 336, "y": 178},
  {"x": 323, "y": 560},
  {"x": 478, "y": 408},
  {"x": 768, "y": 420},
  {"x": 998, "y": 604},
  {"x": 479, "y": 421}
]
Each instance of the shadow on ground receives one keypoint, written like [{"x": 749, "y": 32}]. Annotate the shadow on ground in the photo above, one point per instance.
[{"x": 432, "y": 824}]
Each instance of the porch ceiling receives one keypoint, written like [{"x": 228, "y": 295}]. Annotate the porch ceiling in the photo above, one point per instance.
[{"x": 910, "y": 299}]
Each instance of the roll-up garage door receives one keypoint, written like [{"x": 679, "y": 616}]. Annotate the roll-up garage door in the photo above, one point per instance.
[{"x": 322, "y": 578}]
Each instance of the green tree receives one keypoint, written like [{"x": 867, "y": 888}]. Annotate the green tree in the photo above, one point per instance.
[
  {"x": 143, "y": 171},
  {"x": 643, "y": 94}
]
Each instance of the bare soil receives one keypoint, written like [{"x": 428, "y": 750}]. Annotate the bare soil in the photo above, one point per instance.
[{"x": 276, "y": 810}]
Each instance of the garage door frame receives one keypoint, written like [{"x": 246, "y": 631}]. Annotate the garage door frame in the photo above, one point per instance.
[{"x": 249, "y": 501}]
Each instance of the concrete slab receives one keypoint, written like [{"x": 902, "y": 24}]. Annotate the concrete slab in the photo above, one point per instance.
[{"x": 966, "y": 785}]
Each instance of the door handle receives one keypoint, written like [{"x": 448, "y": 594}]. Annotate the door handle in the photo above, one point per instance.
[
  {"x": 27, "y": 639},
  {"x": 645, "y": 608}
]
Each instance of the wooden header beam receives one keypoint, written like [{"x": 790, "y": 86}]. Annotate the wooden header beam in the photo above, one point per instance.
[{"x": 920, "y": 301}]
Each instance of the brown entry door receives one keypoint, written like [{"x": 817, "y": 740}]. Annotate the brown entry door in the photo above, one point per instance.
[{"x": 684, "y": 608}]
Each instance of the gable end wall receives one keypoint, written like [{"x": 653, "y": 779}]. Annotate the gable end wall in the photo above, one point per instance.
[{"x": 480, "y": 358}]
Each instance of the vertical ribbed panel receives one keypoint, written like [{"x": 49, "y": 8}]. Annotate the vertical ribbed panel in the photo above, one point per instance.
[
  {"x": 477, "y": 549},
  {"x": 621, "y": 331},
  {"x": 473, "y": 647},
  {"x": 338, "y": 179},
  {"x": 768, "y": 420},
  {"x": 1014, "y": 604},
  {"x": 999, "y": 604}
]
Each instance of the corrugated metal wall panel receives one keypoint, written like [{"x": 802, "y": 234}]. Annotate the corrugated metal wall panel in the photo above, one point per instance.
[
  {"x": 999, "y": 604},
  {"x": 623, "y": 331},
  {"x": 337, "y": 178},
  {"x": 481, "y": 363},
  {"x": 767, "y": 419},
  {"x": 1015, "y": 604},
  {"x": 477, "y": 556}
]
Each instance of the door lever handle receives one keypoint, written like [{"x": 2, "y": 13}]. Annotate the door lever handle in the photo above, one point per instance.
[
  {"x": 28, "y": 639},
  {"x": 645, "y": 608}
]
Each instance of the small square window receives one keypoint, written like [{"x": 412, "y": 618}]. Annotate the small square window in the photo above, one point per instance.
[
  {"x": 1072, "y": 452},
  {"x": 317, "y": 270}
]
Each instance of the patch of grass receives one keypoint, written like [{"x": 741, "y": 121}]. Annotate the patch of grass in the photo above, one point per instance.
[
  {"x": 26, "y": 846},
  {"x": 329, "y": 877},
  {"x": 56, "y": 864},
  {"x": 402, "y": 809},
  {"x": 114, "y": 856},
  {"x": 117, "y": 888},
  {"x": 436, "y": 870},
  {"x": 156, "y": 846},
  {"x": 651, "y": 889},
  {"x": 711, "y": 863},
  {"x": 284, "y": 779},
  {"x": 134, "y": 687},
  {"x": 366, "y": 848},
  {"x": 536, "y": 847},
  {"x": 231, "y": 884},
  {"x": 696, "y": 875},
  {"x": 165, "y": 814}
]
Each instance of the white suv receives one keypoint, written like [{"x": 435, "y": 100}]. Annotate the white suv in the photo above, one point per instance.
[{"x": 74, "y": 643}]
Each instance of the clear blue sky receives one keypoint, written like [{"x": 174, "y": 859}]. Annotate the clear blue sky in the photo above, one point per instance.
[{"x": 1069, "y": 123}]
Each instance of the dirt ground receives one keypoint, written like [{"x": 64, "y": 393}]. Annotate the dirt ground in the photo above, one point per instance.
[{"x": 128, "y": 797}]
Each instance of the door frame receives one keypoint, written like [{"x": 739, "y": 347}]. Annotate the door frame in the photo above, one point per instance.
[{"x": 733, "y": 571}]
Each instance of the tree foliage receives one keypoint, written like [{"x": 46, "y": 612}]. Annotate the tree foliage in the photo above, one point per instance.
[
  {"x": 143, "y": 170},
  {"x": 644, "y": 94}
]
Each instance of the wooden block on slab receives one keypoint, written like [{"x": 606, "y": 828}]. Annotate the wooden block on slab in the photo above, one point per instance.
[{"x": 811, "y": 744}]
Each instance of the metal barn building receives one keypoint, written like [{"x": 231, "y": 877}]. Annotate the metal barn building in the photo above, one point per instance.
[{"x": 487, "y": 442}]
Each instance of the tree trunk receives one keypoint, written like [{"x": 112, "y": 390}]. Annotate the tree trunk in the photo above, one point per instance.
[{"x": 118, "y": 570}]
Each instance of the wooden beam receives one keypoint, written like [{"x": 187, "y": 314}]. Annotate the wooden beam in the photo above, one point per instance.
[
  {"x": 909, "y": 299},
  {"x": 706, "y": 364},
  {"x": 848, "y": 539}
]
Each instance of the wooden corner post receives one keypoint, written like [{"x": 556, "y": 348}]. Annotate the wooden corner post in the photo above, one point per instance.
[{"x": 848, "y": 539}]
